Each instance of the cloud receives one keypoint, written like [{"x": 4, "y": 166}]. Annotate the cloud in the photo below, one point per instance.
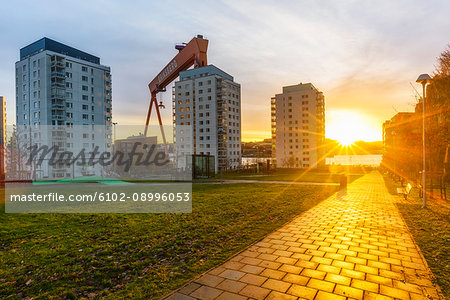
[{"x": 361, "y": 54}]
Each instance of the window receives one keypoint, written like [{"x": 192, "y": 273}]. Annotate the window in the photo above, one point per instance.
[
  {"x": 84, "y": 78},
  {"x": 85, "y": 117},
  {"x": 85, "y": 107},
  {"x": 84, "y": 69},
  {"x": 85, "y": 88},
  {"x": 69, "y": 95},
  {"x": 69, "y": 85},
  {"x": 69, "y": 65},
  {"x": 85, "y": 97},
  {"x": 68, "y": 75}
]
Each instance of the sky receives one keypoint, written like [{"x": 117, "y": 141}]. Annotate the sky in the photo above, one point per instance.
[{"x": 363, "y": 55}]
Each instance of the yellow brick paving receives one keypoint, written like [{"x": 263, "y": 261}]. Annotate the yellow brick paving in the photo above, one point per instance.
[{"x": 353, "y": 245}]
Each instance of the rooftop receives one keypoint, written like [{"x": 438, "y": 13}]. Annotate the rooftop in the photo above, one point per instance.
[
  {"x": 204, "y": 71},
  {"x": 299, "y": 87},
  {"x": 49, "y": 44}
]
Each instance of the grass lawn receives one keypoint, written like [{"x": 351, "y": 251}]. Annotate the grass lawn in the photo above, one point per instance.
[
  {"x": 431, "y": 230},
  {"x": 295, "y": 175},
  {"x": 141, "y": 255}
]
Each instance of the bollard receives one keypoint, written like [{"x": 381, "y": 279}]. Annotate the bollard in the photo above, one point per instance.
[{"x": 343, "y": 185}]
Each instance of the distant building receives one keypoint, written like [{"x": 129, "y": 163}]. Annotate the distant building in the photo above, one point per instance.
[
  {"x": 298, "y": 127},
  {"x": 208, "y": 101},
  {"x": 401, "y": 137},
  {"x": 139, "y": 146},
  {"x": 60, "y": 85},
  {"x": 257, "y": 149}
]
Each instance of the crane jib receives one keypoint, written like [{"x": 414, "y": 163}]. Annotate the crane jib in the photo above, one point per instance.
[{"x": 167, "y": 70}]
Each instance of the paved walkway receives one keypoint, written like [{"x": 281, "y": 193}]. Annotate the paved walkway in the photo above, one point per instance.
[{"x": 349, "y": 246}]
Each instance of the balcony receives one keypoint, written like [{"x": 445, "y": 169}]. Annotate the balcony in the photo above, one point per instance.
[
  {"x": 58, "y": 63},
  {"x": 58, "y": 85},
  {"x": 58, "y": 74}
]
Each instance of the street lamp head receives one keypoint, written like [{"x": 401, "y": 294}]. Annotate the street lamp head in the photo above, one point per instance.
[{"x": 424, "y": 79}]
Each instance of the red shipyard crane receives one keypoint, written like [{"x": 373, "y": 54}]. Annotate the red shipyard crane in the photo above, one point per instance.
[{"x": 192, "y": 53}]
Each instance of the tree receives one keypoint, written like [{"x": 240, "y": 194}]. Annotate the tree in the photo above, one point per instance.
[
  {"x": 443, "y": 67},
  {"x": 438, "y": 113}
]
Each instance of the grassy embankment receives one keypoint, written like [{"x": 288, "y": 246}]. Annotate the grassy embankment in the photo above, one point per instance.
[
  {"x": 144, "y": 255},
  {"x": 430, "y": 228}
]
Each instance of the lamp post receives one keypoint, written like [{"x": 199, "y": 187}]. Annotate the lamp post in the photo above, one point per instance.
[
  {"x": 423, "y": 79},
  {"x": 114, "y": 124}
]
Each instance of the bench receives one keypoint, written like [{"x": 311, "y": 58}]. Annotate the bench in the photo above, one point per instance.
[{"x": 405, "y": 190}]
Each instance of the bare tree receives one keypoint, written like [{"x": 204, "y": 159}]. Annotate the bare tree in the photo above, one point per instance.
[{"x": 443, "y": 67}]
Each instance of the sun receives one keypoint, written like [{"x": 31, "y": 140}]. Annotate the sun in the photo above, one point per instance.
[
  {"x": 346, "y": 141},
  {"x": 349, "y": 126}
]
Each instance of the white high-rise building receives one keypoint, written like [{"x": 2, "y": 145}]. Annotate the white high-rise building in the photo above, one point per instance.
[
  {"x": 60, "y": 85},
  {"x": 208, "y": 101},
  {"x": 298, "y": 127}
]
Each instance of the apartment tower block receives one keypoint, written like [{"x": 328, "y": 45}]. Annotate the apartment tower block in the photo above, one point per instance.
[
  {"x": 208, "y": 101},
  {"x": 298, "y": 127},
  {"x": 69, "y": 89}
]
